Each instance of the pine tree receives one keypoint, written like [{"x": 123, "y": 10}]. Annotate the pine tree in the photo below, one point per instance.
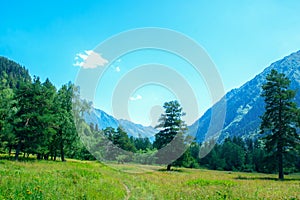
[
  {"x": 7, "y": 111},
  {"x": 170, "y": 139},
  {"x": 121, "y": 139},
  {"x": 46, "y": 119},
  {"x": 280, "y": 117},
  {"x": 25, "y": 118},
  {"x": 66, "y": 131}
]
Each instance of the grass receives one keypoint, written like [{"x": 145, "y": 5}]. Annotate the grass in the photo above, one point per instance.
[{"x": 93, "y": 180}]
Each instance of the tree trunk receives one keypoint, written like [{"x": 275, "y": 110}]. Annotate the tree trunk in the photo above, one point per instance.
[
  {"x": 18, "y": 151},
  {"x": 9, "y": 150},
  {"x": 280, "y": 164},
  {"x": 280, "y": 145},
  {"x": 62, "y": 153},
  {"x": 169, "y": 167}
]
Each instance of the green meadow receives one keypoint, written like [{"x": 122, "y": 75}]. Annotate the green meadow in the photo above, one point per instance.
[{"x": 92, "y": 180}]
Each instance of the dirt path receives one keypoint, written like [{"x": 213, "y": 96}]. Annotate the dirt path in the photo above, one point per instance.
[{"x": 127, "y": 191}]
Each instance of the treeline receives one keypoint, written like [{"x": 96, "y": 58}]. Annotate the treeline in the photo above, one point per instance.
[
  {"x": 115, "y": 145},
  {"x": 234, "y": 154}
]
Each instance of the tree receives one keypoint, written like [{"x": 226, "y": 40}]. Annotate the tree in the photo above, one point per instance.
[
  {"x": 170, "y": 138},
  {"x": 141, "y": 143},
  {"x": 233, "y": 154},
  {"x": 47, "y": 121},
  {"x": 34, "y": 119},
  {"x": 66, "y": 131},
  {"x": 26, "y": 118},
  {"x": 7, "y": 111},
  {"x": 121, "y": 139},
  {"x": 12, "y": 75},
  {"x": 280, "y": 118}
]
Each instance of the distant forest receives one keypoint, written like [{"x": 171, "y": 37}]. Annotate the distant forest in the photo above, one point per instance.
[{"x": 38, "y": 119}]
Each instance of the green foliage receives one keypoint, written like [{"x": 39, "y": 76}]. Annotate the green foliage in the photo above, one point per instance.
[
  {"x": 170, "y": 139},
  {"x": 28, "y": 124},
  {"x": 117, "y": 145},
  {"x": 141, "y": 143},
  {"x": 170, "y": 124},
  {"x": 37, "y": 119},
  {"x": 7, "y": 111},
  {"x": 280, "y": 118},
  {"x": 121, "y": 139},
  {"x": 13, "y": 73},
  {"x": 147, "y": 156},
  {"x": 233, "y": 154},
  {"x": 240, "y": 156}
]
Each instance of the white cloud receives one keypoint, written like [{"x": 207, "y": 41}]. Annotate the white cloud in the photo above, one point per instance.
[
  {"x": 118, "y": 69},
  {"x": 137, "y": 97},
  {"x": 89, "y": 60}
]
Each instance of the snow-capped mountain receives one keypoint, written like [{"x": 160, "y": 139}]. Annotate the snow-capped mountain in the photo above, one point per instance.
[
  {"x": 103, "y": 120},
  {"x": 245, "y": 105}
]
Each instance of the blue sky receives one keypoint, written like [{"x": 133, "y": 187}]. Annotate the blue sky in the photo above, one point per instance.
[{"x": 241, "y": 37}]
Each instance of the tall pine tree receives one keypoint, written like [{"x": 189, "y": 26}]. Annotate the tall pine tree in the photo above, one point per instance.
[
  {"x": 170, "y": 138},
  {"x": 280, "y": 118}
]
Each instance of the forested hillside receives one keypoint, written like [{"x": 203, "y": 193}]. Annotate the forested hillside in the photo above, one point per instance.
[{"x": 12, "y": 74}]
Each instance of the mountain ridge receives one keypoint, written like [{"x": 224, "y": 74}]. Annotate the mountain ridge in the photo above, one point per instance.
[
  {"x": 104, "y": 120},
  {"x": 245, "y": 105}
]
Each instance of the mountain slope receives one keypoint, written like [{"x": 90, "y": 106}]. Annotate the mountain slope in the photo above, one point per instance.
[
  {"x": 245, "y": 106},
  {"x": 104, "y": 120},
  {"x": 138, "y": 130},
  {"x": 101, "y": 119},
  {"x": 13, "y": 73}
]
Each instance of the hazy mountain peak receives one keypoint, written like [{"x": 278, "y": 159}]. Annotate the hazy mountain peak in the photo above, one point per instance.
[{"x": 104, "y": 120}]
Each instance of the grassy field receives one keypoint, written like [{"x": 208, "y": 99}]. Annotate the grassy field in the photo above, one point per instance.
[{"x": 92, "y": 180}]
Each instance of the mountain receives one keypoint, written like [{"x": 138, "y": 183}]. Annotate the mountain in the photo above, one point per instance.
[
  {"x": 245, "y": 105},
  {"x": 138, "y": 130},
  {"x": 104, "y": 120}
]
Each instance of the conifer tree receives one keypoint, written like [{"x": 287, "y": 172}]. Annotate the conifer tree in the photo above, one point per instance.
[
  {"x": 170, "y": 138},
  {"x": 280, "y": 118}
]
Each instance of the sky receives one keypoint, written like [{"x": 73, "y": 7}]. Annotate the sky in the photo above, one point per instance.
[{"x": 52, "y": 38}]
